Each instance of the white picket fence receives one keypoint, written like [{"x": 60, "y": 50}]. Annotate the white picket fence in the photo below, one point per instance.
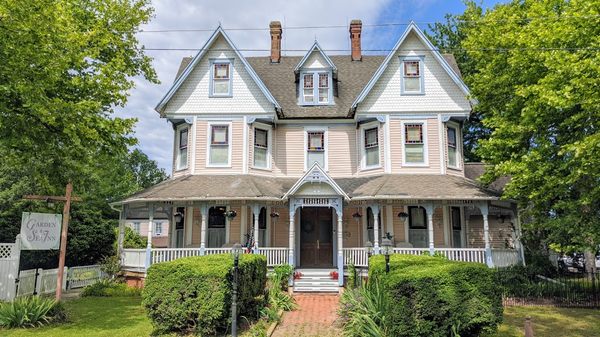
[{"x": 43, "y": 281}]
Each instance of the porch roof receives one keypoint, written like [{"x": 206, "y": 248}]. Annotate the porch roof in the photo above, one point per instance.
[{"x": 252, "y": 187}]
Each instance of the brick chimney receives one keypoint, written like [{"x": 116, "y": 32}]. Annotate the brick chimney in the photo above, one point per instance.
[
  {"x": 355, "y": 31},
  {"x": 276, "y": 31}
]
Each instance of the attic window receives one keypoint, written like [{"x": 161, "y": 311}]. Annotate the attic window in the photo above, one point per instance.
[
  {"x": 220, "y": 78},
  {"x": 412, "y": 76},
  {"x": 320, "y": 93}
]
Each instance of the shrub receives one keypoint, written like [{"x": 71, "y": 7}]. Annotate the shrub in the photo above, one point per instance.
[
  {"x": 31, "y": 311},
  {"x": 108, "y": 288},
  {"x": 283, "y": 273},
  {"x": 366, "y": 310},
  {"x": 432, "y": 296},
  {"x": 194, "y": 294}
]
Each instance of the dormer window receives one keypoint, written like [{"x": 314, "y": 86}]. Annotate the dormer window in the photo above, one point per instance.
[
  {"x": 220, "y": 78},
  {"x": 412, "y": 75},
  {"x": 316, "y": 88}
]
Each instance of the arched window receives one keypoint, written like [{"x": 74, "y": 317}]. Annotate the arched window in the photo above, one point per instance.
[{"x": 216, "y": 226}]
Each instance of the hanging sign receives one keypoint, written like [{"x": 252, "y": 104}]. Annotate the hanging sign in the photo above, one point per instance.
[{"x": 40, "y": 231}]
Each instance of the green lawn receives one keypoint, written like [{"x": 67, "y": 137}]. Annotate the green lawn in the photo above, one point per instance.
[
  {"x": 124, "y": 317},
  {"x": 98, "y": 317},
  {"x": 551, "y": 322}
]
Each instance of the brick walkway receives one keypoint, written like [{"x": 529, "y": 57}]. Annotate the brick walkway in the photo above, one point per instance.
[{"x": 315, "y": 316}]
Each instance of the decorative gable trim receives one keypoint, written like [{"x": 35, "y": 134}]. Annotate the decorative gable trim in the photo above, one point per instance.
[
  {"x": 205, "y": 48},
  {"x": 316, "y": 175},
  {"x": 412, "y": 27},
  {"x": 318, "y": 48}
]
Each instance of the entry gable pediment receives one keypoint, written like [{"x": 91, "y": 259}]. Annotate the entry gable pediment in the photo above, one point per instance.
[{"x": 316, "y": 175}]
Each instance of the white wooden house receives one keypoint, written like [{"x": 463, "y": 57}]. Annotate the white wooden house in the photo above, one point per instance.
[{"x": 308, "y": 158}]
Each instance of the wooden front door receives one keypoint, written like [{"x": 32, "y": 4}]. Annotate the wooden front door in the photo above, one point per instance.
[{"x": 316, "y": 237}]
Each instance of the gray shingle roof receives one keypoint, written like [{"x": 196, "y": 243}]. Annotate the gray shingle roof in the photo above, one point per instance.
[
  {"x": 475, "y": 170},
  {"x": 250, "y": 187},
  {"x": 280, "y": 79}
]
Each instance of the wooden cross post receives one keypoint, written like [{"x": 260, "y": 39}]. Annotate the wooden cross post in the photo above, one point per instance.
[{"x": 65, "y": 227}]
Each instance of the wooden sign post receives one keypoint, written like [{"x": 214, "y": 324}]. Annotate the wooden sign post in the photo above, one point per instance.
[{"x": 67, "y": 199}]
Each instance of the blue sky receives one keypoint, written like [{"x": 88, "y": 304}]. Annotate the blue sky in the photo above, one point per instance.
[{"x": 155, "y": 134}]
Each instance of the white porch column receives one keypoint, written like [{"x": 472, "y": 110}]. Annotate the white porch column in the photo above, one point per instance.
[
  {"x": 121, "y": 238},
  {"x": 340, "y": 246},
  {"x": 149, "y": 239},
  {"x": 429, "y": 210},
  {"x": 203, "y": 215},
  {"x": 375, "y": 210},
  {"x": 292, "y": 239},
  {"x": 486, "y": 233},
  {"x": 256, "y": 213}
]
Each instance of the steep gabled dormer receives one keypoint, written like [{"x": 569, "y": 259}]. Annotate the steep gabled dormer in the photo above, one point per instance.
[{"x": 316, "y": 75}]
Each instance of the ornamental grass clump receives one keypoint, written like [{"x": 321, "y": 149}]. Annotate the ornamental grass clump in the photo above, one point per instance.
[
  {"x": 193, "y": 295},
  {"x": 30, "y": 311}
]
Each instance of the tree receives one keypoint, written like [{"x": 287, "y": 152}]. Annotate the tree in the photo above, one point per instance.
[
  {"x": 537, "y": 68},
  {"x": 449, "y": 37}
]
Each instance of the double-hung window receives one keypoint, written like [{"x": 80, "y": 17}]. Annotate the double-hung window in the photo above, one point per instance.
[
  {"x": 412, "y": 76},
  {"x": 452, "y": 152},
  {"x": 261, "y": 148},
  {"x": 315, "y": 150},
  {"x": 136, "y": 227},
  {"x": 417, "y": 227},
  {"x": 158, "y": 229},
  {"x": 221, "y": 78},
  {"x": 371, "y": 147},
  {"x": 219, "y": 145},
  {"x": 414, "y": 145},
  {"x": 456, "y": 227},
  {"x": 316, "y": 88},
  {"x": 182, "y": 148}
]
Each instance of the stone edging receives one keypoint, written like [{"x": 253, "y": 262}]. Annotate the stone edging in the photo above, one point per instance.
[{"x": 273, "y": 325}]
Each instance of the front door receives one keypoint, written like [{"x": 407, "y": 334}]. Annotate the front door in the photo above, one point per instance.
[{"x": 316, "y": 234}]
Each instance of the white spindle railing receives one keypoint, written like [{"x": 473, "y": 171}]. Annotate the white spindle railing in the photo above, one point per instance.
[
  {"x": 212, "y": 251},
  {"x": 169, "y": 254},
  {"x": 505, "y": 257},
  {"x": 356, "y": 256},
  {"x": 134, "y": 259},
  {"x": 411, "y": 251},
  {"x": 275, "y": 256},
  {"x": 463, "y": 254}
]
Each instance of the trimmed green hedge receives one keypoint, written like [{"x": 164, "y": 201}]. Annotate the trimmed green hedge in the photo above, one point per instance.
[
  {"x": 433, "y": 296},
  {"x": 194, "y": 294}
]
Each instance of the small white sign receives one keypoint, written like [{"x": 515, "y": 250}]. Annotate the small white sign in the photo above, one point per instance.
[{"x": 40, "y": 231}]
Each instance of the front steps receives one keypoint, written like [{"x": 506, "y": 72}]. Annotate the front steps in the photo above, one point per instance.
[{"x": 316, "y": 281}]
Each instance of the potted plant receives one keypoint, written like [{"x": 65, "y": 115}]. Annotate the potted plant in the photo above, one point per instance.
[
  {"x": 334, "y": 275},
  {"x": 297, "y": 275}
]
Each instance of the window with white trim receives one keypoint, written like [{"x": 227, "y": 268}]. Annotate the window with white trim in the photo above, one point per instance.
[
  {"x": 412, "y": 77},
  {"x": 371, "y": 147},
  {"x": 221, "y": 78},
  {"x": 414, "y": 145},
  {"x": 456, "y": 220},
  {"x": 315, "y": 148},
  {"x": 158, "y": 228},
  {"x": 452, "y": 146},
  {"x": 261, "y": 148},
  {"x": 316, "y": 88},
  {"x": 219, "y": 145},
  {"x": 182, "y": 148},
  {"x": 136, "y": 227}
]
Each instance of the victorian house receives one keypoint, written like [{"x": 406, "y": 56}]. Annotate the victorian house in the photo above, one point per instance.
[{"x": 319, "y": 160}]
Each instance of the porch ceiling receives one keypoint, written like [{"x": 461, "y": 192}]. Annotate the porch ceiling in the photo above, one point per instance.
[{"x": 251, "y": 187}]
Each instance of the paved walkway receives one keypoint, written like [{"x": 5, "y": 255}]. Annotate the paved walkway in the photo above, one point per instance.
[{"x": 316, "y": 316}]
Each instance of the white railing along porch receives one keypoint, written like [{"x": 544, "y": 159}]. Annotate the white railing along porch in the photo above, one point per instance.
[
  {"x": 463, "y": 254},
  {"x": 169, "y": 254},
  {"x": 134, "y": 259},
  {"x": 275, "y": 256},
  {"x": 411, "y": 251},
  {"x": 356, "y": 256}
]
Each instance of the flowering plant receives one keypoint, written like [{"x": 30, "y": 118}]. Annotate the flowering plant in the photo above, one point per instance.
[
  {"x": 297, "y": 275},
  {"x": 334, "y": 275}
]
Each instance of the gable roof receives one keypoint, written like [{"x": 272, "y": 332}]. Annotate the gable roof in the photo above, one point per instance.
[
  {"x": 316, "y": 175},
  {"x": 412, "y": 27},
  {"x": 194, "y": 61},
  {"x": 315, "y": 47}
]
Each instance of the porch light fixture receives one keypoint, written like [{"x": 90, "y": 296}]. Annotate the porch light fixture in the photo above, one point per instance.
[
  {"x": 357, "y": 216},
  {"x": 274, "y": 214},
  {"x": 403, "y": 216},
  {"x": 231, "y": 214},
  {"x": 369, "y": 248},
  {"x": 236, "y": 251},
  {"x": 386, "y": 246}
]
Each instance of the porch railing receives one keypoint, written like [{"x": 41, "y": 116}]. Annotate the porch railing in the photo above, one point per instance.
[
  {"x": 169, "y": 254},
  {"x": 505, "y": 257},
  {"x": 411, "y": 251},
  {"x": 463, "y": 254},
  {"x": 134, "y": 259},
  {"x": 356, "y": 256},
  {"x": 275, "y": 256}
]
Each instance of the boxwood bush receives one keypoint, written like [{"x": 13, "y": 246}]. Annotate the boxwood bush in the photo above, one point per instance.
[
  {"x": 433, "y": 296},
  {"x": 193, "y": 295}
]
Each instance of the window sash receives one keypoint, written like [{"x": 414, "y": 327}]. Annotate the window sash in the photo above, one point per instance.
[
  {"x": 216, "y": 217},
  {"x": 452, "y": 137},
  {"x": 261, "y": 138},
  {"x": 371, "y": 138},
  {"x": 221, "y": 71},
  {"x": 219, "y": 135},
  {"x": 413, "y": 133},
  {"x": 455, "y": 218},
  {"x": 183, "y": 139},
  {"x": 417, "y": 217},
  {"x": 158, "y": 228},
  {"x": 412, "y": 69},
  {"x": 316, "y": 141}
]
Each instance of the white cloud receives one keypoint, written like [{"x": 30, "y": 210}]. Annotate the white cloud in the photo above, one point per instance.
[{"x": 155, "y": 134}]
